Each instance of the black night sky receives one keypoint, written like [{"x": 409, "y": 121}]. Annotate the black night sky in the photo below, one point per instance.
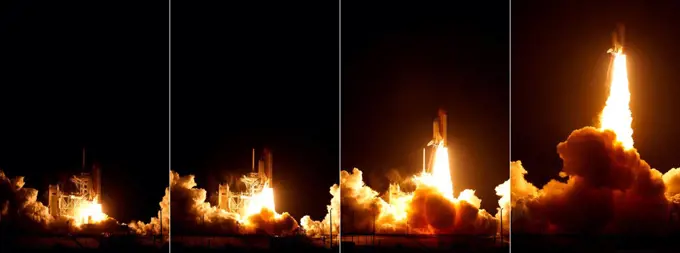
[
  {"x": 87, "y": 74},
  {"x": 559, "y": 68},
  {"x": 401, "y": 63},
  {"x": 258, "y": 75}
]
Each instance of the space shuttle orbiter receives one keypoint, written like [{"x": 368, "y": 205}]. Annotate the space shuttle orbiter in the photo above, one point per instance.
[
  {"x": 617, "y": 39},
  {"x": 439, "y": 129}
]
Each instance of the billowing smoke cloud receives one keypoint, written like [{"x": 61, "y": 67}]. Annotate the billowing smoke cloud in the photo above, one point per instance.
[
  {"x": 608, "y": 190},
  {"x": 504, "y": 205},
  {"x": 20, "y": 206},
  {"x": 318, "y": 228},
  {"x": 424, "y": 211},
  {"x": 158, "y": 224},
  {"x": 192, "y": 214}
]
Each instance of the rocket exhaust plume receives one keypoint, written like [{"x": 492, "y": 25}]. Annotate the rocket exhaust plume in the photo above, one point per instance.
[
  {"x": 431, "y": 209},
  {"x": 609, "y": 189},
  {"x": 192, "y": 214},
  {"x": 616, "y": 115}
]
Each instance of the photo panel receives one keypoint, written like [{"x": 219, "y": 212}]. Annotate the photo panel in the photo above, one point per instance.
[
  {"x": 425, "y": 127},
  {"x": 84, "y": 139},
  {"x": 592, "y": 88}
]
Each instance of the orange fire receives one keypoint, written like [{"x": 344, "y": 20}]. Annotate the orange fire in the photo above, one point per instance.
[
  {"x": 440, "y": 178},
  {"x": 89, "y": 212},
  {"x": 261, "y": 200},
  {"x": 397, "y": 210},
  {"x": 616, "y": 115}
]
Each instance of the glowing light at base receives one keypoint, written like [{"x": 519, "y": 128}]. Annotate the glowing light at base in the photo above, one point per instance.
[
  {"x": 616, "y": 115},
  {"x": 432, "y": 208},
  {"x": 253, "y": 211},
  {"x": 261, "y": 200},
  {"x": 440, "y": 178},
  {"x": 89, "y": 212}
]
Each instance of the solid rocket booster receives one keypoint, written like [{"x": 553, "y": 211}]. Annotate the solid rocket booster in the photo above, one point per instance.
[
  {"x": 269, "y": 165},
  {"x": 442, "y": 125},
  {"x": 436, "y": 134}
]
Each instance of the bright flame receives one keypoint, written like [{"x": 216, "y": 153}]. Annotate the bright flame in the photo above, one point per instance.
[
  {"x": 261, "y": 200},
  {"x": 616, "y": 115},
  {"x": 89, "y": 212},
  {"x": 396, "y": 211},
  {"x": 440, "y": 178},
  {"x": 432, "y": 208}
]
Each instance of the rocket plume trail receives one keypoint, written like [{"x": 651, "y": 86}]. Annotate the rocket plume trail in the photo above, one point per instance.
[
  {"x": 616, "y": 115},
  {"x": 440, "y": 178}
]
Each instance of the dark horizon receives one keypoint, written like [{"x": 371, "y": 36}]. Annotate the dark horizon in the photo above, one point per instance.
[
  {"x": 559, "y": 69},
  {"x": 403, "y": 62},
  {"x": 81, "y": 75}
]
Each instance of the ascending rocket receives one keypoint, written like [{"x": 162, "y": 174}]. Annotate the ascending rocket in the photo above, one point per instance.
[
  {"x": 617, "y": 38},
  {"x": 439, "y": 129}
]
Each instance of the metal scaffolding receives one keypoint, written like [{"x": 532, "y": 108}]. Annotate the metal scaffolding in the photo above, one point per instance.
[
  {"x": 63, "y": 202},
  {"x": 254, "y": 182}
]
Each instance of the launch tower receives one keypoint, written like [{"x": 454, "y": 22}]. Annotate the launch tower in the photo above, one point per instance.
[
  {"x": 254, "y": 182},
  {"x": 83, "y": 187}
]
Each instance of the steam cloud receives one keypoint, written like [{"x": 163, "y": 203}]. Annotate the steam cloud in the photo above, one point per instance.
[
  {"x": 318, "y": 228},
  {"x": 20, "y": 208},
  {"x": 425, "y": 211},
  {"x": 609, "y": 190},
  {"x": 155, "y": 226},
  {"x": 19, "y": 205}
]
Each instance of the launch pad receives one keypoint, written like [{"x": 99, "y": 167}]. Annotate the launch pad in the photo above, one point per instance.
[
  {"x": 65, "y": 198},
  {"x": 255, "y": 182}
]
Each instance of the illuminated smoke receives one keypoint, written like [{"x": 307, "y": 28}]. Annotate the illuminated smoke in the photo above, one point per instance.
[
  {"x": 155, "y": 225},
  {"x": 427, "y": 210},
  {"x": 192, "y": 214},
  {"x": 608, "y": 189},
  {"x": 318, "y": 228},
  {"x": 20, "y": 204},
  {"x": 431, "y": 209},
  {"x": 504, "y": 203},
  {"x": 20, "y": 207}
]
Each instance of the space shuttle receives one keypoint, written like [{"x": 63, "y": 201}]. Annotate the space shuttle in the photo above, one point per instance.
[
  {"x": 439, "y": 129},
  {"x": 617, "y": 39}
]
